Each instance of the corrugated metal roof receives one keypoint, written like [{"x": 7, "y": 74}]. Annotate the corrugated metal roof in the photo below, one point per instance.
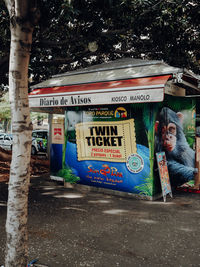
[
  {"x": 116, "y": 64},
  {"x": 127, "y": 68}
]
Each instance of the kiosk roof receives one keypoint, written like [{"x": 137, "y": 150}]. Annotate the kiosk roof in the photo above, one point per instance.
[{"x": 121, "y": 81}]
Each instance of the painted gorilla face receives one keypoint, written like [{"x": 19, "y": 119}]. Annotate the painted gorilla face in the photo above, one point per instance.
[
  {"x": 169, "y": 136},
  {"x": 171, "y": 139}
]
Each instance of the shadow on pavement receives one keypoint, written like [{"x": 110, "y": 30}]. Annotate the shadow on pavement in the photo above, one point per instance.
[{"x": 72, "y": 228}]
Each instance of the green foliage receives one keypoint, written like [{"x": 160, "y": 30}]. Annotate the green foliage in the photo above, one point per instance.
[
  {"x": 5, "y": 112},
  {"x": 190, "y": 141},
  {"x": 179, "y": 103},
  {"x": 146, "y": 188},
  {"x": 38, "y": 116},
  {"x": 67, "y": 174},
  {"x": 5, "y": 44},
  {"x": 167, "y": 30},
  {"x": 149, "y": 118},
  {"x": 190, "y": 183}
]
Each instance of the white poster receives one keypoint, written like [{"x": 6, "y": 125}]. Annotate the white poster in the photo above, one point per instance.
[{"x": 57, "y": 133}]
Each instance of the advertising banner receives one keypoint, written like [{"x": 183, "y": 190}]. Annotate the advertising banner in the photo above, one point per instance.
[
  {"x": 175, "y": 135},
  {"x": 128, "y": 96},
  {"x": 164, "y": 175},
  {"x": 115, "y": 146},
  {"x": 108, "y": 147}
]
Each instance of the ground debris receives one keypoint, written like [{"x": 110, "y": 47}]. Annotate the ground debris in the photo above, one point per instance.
[{"x": 39, "y": 165}]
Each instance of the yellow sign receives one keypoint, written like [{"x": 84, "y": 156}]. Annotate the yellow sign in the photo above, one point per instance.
[
  {"x": 106, "y": 141},
  {"x": 120, "y": 112}
]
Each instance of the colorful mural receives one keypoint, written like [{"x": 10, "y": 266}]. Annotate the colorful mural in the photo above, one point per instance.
[
  {"x": 175, "y": 135},
  {"x": 101, "y": 149},
  {"x": 114, "y": 146}
]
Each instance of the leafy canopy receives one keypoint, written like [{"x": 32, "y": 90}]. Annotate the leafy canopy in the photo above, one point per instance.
[{"x": 78, "y": 33}]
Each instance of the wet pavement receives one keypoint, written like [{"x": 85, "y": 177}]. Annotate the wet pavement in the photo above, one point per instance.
[{"x": 71, "y": 228}]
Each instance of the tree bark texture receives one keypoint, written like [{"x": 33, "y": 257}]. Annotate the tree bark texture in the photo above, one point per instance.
[{"x": 16, "y": 224}]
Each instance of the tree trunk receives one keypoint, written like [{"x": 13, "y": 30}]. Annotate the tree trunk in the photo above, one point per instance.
[{"x": 16, "y": 224}]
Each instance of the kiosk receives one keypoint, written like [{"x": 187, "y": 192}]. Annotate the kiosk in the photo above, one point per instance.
[{"x": 118, "y": 115}]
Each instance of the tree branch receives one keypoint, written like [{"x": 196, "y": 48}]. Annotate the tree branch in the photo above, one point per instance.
[
  {"x": 121, "y": 52},
  {"x": 8, "y": 4},
  {"x": 50, "y": 44},
  {"x": 67, "y": 60}
]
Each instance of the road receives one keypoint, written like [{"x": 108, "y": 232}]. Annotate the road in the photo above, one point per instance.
[{"x": 71, "y": 228}]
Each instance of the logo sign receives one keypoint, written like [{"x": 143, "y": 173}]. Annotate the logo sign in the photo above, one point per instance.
[
  {"x": 57, "y": 133},
  {"x": 135, "y": 163},
  {"x": 120, "y": 112}
]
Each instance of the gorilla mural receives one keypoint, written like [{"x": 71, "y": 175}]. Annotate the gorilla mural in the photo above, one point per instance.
[{"x": 171, "y": 139}]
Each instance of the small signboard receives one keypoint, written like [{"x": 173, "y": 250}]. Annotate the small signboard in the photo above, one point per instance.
[
  {"x": 197, "y": 176},
  {"x": 197, "y": 148},
  {"x": 57, "y": 133},
  {"x": 164, "y": 175},
  {"x": 172, "y": 89}
]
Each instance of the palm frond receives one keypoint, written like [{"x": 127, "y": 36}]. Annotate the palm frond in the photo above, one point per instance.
[
  {"x": 146, "y": 188},
  {"x": 68, "y": 175}
]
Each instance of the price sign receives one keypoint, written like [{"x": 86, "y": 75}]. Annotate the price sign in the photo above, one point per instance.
[{"x": 164, "y": 175}]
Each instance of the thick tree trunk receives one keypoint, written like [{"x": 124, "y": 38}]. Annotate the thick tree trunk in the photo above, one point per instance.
[{"x": 16, "y": 224}]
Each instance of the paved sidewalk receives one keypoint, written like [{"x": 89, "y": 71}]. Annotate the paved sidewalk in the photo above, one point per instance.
[{"x": 70, "y": 228}]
